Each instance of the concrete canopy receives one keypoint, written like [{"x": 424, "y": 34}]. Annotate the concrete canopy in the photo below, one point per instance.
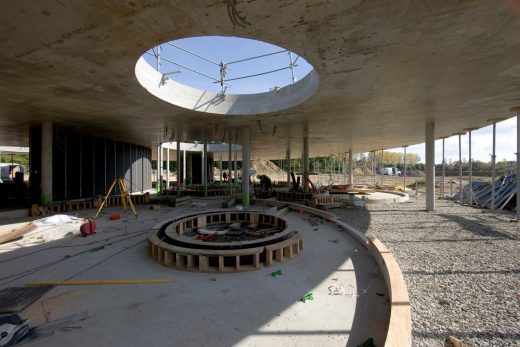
[{"x": 384, "y": 67}]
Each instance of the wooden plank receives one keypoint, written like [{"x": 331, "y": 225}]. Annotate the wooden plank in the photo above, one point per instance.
[{"x": 17, "y": 233}]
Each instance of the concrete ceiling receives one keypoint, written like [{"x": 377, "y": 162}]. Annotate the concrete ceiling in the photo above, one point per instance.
[{"x": 385, "y": 68}]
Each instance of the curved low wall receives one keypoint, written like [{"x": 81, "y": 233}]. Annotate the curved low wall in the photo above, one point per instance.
[
  {"x": 400, "y": 325},
  {"x": 167, "y": 247}
]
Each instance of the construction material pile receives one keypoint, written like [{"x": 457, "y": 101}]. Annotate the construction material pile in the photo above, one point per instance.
[{"x": 505, "y": 191}]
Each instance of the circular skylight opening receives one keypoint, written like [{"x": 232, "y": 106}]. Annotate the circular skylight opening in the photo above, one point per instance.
[{"x": 226, "y": 75}]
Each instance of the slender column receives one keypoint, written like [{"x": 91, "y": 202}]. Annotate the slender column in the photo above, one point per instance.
[
  {"x": 46, "y": 171},
  {"x": 430, "y": 166},
  {"x": 404, "y": 169},
  {"x": 374, "y": 167},
  {"x": 470, "y": 173},
  {"x": 443, "y": 169},
  {"x": 288, "y": 154},
  {"x": 230, "y": 160},
  {"x": 493, "y": 166},
  {"x": 350, "y": 167},
  {"x": 306, "y": 160},
  {"x": 184, "y": 168},
  {"x": 205, "y": 168},
  {"x": 220, "y": 168},
  {"x": 460, "y": 167},
  {"x": 382, "y": 167},
  {"x": 178, "y": 148},
  {"x": 159, "y": 168},
  {"x": 235, "y": 166},
  {"x": 245, "y": 167},
  {"x": 168, "y": 166}
]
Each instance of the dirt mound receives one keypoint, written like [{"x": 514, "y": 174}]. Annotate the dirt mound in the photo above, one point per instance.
[{"x": 268, "y": 168}]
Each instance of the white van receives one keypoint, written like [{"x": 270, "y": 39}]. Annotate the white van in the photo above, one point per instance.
[{"x": 391, "y": 171}]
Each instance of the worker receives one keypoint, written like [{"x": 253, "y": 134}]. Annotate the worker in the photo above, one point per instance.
[{"x": 265, "y": 182}]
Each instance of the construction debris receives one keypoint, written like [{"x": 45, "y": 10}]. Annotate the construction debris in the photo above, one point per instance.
[
  {"x": 505, "y": 191},
  {"x": 306, "y": 297}
]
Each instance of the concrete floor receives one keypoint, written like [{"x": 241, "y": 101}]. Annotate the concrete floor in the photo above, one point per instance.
[{"x": 247, "y": 309}]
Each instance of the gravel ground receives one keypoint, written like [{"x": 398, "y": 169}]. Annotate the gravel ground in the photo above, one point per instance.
[{"x": 461, "y": 266}]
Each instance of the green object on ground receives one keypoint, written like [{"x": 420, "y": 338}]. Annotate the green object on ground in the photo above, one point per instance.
[
  {"x": 315, "y": 229},
  {"x": 276, "y": 273},
  {"x": 307, "y": 297}
]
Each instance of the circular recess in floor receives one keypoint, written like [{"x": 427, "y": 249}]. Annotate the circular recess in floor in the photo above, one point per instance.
[{"x": 226, "y": 75}]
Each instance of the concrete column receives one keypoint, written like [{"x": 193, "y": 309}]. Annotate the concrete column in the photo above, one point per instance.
[
  {"x": 288, "y": 155},
  {"x": 220, "y": 168},
  {"x": 305, "y": 160},
  {"x": 350, "y": 167},
  {"x": 189, "y": 167},
  {"x": 374, "y": 171},
  {"x": 245, "y": 167},
  {"x": 517, "y": 164},
  {"x": 46, "y": 170},
  {"x": 470, "y": 198},
  {"x": 430, "y": 166},
  {"x": 178, "y": 149},
  {"x": 230, "y": 161},
  {"x": 159, "y": 168},
  {"x": 235, "y": 166},
  {"x": 184, "y": 168},
  {"x": 168, "y": 166},
  {"x": 205, "y": 168},
  {"x": 443, "y": 169},
  {"x": 404, "y": 169},
  {"x": 493, "y": 166},
  {"x": 460, "y": 167}
]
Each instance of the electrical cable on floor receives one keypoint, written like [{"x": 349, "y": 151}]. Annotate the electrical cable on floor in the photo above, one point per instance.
[
  {"x": 42, "y": 267},
  {"x": 107, "y": 258},
  {"x": 79, "y": 245}
]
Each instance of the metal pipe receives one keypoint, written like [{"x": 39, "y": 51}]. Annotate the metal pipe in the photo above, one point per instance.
[
  {"x": 254, "y": 75},
  {"x": 256, "y": 57},
  {"x": 493, "y": 167},
  {"x": 189, "y": 69},
  {"x": 159, "y": 58},
  {"x": 292, "y": 67},
  {"x": 192, "y": 53}
]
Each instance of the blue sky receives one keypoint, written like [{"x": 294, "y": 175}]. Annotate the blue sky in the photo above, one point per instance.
[
  {"x": 229, "y": 49},
  {"x": 481, "y": 144}
]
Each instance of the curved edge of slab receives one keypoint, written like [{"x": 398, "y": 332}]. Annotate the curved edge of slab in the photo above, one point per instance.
[{"x": 400, "y": 325}]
